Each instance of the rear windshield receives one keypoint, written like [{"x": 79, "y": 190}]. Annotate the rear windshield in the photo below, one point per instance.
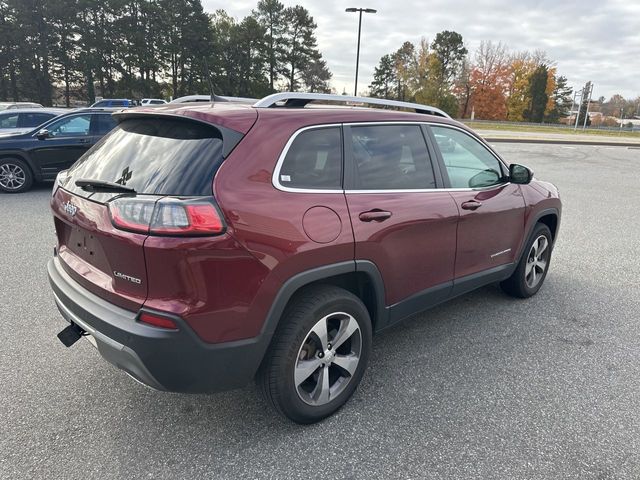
[{"x": 153, "y": 156}]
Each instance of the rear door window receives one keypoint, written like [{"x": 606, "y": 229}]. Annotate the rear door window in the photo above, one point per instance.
[
  {"x": 314, "y": 160},
  {"x": 154, "y": 156},
  {"x": 103, "y": 124},
  {"x": 391, "y": 157},
  {"x": 34, "y": 119}
]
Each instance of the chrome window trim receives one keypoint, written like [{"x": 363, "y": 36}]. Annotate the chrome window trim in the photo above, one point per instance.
[
  {"x": 427, "y": 190},
  {"x": 275, "y": 178}
]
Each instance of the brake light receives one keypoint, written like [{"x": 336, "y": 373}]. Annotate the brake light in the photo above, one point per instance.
[
  {"x": 157, "y": 321},
  {"x": 166, "y": 216},
  {"x": 133, "y": 214}
]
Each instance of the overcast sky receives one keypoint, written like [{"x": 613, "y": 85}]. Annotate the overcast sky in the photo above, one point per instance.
[{"x": 596, "y": 40}]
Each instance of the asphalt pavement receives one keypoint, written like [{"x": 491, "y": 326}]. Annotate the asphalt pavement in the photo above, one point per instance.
[{"x": 483, "y": 387}]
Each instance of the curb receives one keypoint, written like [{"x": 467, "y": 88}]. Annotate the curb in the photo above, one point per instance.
[{"x": 603, "y": 143}]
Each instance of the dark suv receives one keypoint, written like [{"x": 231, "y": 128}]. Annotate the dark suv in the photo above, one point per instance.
[
  {"x": 201, "y": 246},
  {"x": 40, "y": 153}
]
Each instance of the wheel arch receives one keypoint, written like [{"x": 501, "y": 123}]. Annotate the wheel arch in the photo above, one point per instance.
[
  {"x": 20, "y": 155},
  {"x": 360, "y": 277},
  {"x": 549, "y": 217}
]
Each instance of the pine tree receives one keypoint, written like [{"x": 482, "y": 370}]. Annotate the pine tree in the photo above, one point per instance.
[
  {"x": 300, "y": 44},
  {"x": 385, "y": 79},
  {"x": 562, "y": 98},
  {"x": 450, "y": 50},
  {"x": 270, "y": 14},
  {"x": 538, "y": 94}
]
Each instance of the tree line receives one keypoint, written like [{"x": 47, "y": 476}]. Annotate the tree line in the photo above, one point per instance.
[
  {"x": 67, "y": 52},
  {"x": 493, "y": 84},
  {"x": 70, "y": 51}
]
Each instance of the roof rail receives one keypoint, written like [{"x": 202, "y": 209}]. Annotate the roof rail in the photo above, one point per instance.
[
  {"x": 300, "y": 99},
  {"x": 216, "y": 98}
]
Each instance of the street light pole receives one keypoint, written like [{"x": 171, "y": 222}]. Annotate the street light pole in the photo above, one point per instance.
[{"x": 359, "y": 10}]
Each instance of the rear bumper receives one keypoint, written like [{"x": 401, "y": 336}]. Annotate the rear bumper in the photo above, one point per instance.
[{"x": 169, "y": 360}]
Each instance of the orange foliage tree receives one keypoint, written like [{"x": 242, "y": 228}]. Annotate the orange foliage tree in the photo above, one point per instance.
[{"x": 489, "y": 81}]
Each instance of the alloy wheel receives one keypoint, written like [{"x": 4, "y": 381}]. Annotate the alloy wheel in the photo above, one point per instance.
[
  {"x": 328, "y": 358},
  {"x": 12, "y": 176},
  {"x": 537, "y": 261}
]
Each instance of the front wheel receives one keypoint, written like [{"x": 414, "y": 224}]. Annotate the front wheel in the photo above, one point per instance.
[
  {"x": 318, "y": 355},
  {"x": 15, "y": 175},
  {"x": 534, "y": 265}
]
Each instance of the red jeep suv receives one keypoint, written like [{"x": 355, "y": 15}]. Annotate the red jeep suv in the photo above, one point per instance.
[{"x": 202, "y": 246}]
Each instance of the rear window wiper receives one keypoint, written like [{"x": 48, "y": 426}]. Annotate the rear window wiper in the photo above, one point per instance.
[{"x": 102, "y": 186}]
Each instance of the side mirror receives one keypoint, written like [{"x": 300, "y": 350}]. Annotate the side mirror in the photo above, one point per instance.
[
  {"x": 42, "y": 134},
  {"x": 519, "y": 174}
]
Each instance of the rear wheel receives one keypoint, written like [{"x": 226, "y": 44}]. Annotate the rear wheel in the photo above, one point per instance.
[
  {"x": 318, "y": 354},
  {"x": 15, "y": 175},
  {"x": 533, "y": 267}
]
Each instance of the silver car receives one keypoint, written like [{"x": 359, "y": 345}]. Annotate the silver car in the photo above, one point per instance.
[
  {"x": 16, "y": 105},
  {"x": 21, "y": 120}
]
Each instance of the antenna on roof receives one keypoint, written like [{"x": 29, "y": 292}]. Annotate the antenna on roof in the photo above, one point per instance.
[{"x": 206, "y": 72}]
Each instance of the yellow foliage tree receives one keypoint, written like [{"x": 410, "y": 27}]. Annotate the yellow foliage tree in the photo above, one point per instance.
[
  {"x": 519, "y": 98},
  {"x": 551, "y": 87}
]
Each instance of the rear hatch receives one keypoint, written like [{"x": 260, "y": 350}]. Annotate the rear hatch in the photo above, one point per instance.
[{"x": 151, "y": 175}]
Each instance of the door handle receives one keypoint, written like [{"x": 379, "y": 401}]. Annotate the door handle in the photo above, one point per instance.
[
  {"x": 374, "y": 216},
  {"x": 84, "y": 140},
  {"x": 471, "y": 205}
]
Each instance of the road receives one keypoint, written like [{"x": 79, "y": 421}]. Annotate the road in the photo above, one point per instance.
[{"x": 483, "y": 387}]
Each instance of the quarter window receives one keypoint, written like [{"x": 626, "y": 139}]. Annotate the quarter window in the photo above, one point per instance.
[
  {"x": 469, "y": 164},
  {"x": 391, "y": 157},
  {"x": 314, "y": 160},
  {"x": 9, "y": 121}
]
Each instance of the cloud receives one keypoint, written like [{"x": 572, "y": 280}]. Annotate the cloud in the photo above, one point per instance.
[{"x": 595, "y": 40}]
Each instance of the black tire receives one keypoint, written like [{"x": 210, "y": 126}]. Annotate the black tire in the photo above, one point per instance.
[
  {"x": 519, "y": 283},
  {"x": 15, "y": 175},
  {"x": 292, "y": 342}
]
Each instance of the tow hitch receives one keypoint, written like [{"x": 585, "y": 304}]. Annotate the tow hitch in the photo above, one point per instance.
[{"x": 71, "y": 335}]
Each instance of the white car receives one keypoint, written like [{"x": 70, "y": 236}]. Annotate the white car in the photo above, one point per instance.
[
  {"x": 22, "y": 120},
  {"x": 152, "y": 101},
  {"x": 16, "y": 105}
]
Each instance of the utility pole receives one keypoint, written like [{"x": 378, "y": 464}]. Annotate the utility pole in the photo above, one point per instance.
[
  {"x": 589, "y": 88},
  {"x": 360, "y": 10}
]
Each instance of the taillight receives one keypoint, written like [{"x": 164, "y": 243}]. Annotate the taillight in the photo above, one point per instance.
[
  {"x": 133, "y": 214},
  {"x": 166, "y": 216},
  {"x": 60, "y": 179},
  {"x": 157, "y": 321}
]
